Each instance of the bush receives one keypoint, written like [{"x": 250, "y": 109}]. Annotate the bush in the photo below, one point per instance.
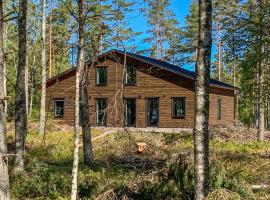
[
  {"x": 222, "y": 179},
  {"x": 176, "y": 181},
  {"x": 40, "y": 182},
  {"x": 90, "y": 183}
]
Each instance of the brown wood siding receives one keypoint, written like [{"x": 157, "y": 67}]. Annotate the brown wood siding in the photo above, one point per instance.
[
  {"x": 151, "y": 82},
  {"x": 66, "y": 90}
]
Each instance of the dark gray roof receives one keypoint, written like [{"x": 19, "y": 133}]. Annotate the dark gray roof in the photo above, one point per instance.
[{"x": 174, "y": 68}]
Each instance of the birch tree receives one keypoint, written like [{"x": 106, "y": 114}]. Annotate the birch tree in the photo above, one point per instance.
[
  {"x": 42, "y": 119},
  {"x": 88, "y": 12},
  {"x": 20, "y": 94},
  {"x": 80, "y": 65},
  {"x": 201, "y": 150},
  {"x": 74, "y": 186},
  {"x": 4, "y": 180}
]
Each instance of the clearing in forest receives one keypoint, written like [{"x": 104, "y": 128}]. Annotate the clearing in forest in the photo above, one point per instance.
[{"x": 163, "y": 171}]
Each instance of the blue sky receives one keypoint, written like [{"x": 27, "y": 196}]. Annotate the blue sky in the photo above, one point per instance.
[{"x": 138, "y": 22}]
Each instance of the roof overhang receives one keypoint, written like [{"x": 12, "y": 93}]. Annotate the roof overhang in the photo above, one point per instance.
[
  {"x": 224, "y": 86},
  {"x": 110, "y": 53}
]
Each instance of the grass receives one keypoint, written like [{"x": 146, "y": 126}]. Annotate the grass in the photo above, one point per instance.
[{"x": 157, "y": 174}]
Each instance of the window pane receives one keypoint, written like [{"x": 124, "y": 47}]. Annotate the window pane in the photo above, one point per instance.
[
  {"x": 59, "y": 108},
  {"x": 130, "y": 78},
  {"x": 101, "y": 105},
  {"x": 101, "y": 76},
  {"x": 153, "y": 112},
  {"x": 130, "y": 112},
  {"x": 219, "y": 109},
  {"x": 178, "y": 107}
]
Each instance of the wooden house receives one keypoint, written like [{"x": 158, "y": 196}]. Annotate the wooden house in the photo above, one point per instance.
[{"x": 127, "y": 89}]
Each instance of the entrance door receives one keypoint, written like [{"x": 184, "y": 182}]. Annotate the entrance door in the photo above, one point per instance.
[
  {"x": 130, "y": 112},
  {"x": 152, "y": 112},
  {"x": 101, "y": 105}
]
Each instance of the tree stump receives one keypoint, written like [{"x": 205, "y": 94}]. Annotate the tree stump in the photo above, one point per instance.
[{"x": 141, "y": 147}]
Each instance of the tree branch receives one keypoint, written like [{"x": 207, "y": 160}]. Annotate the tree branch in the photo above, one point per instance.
[
  {"x": 10, "y": 19},
  {"x": 70, "y": 10}
]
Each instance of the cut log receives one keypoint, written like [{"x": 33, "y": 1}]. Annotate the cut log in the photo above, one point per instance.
[{"x": 140, "y": 147}]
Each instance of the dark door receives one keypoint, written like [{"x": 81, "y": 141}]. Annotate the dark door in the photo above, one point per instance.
[
  {"x": 101, "y": 105},
  {"x": 152, "y": 112},
  {"x": 130, "y": 112}
]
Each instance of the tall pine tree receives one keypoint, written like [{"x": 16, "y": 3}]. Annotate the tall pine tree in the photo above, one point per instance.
[{"x": 162, "y": 24}]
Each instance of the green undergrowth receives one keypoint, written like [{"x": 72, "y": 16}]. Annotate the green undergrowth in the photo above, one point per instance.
[{"x": 163, "y": 171}]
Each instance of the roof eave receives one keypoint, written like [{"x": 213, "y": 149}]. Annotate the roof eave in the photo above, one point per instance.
[
  {"x": 182, "y": 74},
  {"x": 185, "y": 75},
  {"x": 151, "y": 63},
  {"x": 225, "y": 87}
]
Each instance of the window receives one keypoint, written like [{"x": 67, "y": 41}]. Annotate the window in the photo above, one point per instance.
[
  {"x": 58, "y": 108},
  {"x": 178, "y": 107},
  {"x": 219, "y": 109},
  {"x": 101, "y": 76},
  {"x": 130, "y": 112},
  {"x": 130, "y": 75},
  {"x": 101, "y": 117}
]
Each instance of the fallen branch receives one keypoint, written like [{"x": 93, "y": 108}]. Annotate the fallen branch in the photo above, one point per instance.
[
  {"x": 104, "y": 134},
  {"x": 5, "y": 98},
  {"x": 255, "y": 169},
  {"x": 107, "y": 195},
  {"x": 260, "y": 187},
  {"x": 5, "y": 155}
]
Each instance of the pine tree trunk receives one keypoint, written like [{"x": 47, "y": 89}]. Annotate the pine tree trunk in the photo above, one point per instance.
[
  {"x": 4, "y": 180},
  {"x": 85, "y": 120},
  {"x": 261, "y": 123},
  {"x": 20, "y": 95},
  {"x": 219, "y": 47},
  {"x": 84, "y": 105},
  {"x": 219, "y": 55},
  {"x": 27, "y": 81},
  {"x": 42, "y": 119},
  {"x": 261, "y": 66},
  {"x": 5, "y": 69},
  {"x": 50, "y": 40},
  {"x": 161, "y": 47},
  {"x": 201, "y": 150},
  {"x": 260, "y": 105},
  {"x": 156, "y": 41},
  {"x": 31, "y": 98},
  {"x": 235, "y": 95},
  {"x": 267, "y": 113},
  {"x": 101, "y": 44},
  {"x": 234, "y": 83},
  {"x": 32, "y": 89},
  {"x": 256, "y": 91}
]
